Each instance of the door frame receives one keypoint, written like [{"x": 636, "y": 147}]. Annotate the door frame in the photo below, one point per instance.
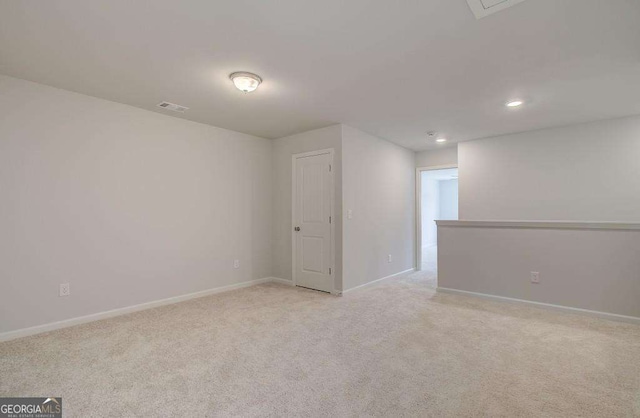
[
  {"x": 418, "y": 243},
  {"x": 332, "y": 235}
]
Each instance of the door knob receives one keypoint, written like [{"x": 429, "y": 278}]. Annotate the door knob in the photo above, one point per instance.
[{"x": 297, "y": 229}]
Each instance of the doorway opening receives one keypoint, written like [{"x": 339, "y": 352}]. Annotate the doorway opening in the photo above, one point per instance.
[{"x": 437, "y": 200}]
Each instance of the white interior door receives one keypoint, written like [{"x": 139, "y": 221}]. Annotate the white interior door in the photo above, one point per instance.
[{"x": 312, "y": 217}]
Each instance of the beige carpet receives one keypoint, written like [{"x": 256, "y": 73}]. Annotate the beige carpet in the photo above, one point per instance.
[
  {"x": 394, "y": 349},
  {"x": 429, "y": 270}
]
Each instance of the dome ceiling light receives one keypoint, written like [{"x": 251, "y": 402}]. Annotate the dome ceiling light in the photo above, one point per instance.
[{"x": 245, "y": 82}]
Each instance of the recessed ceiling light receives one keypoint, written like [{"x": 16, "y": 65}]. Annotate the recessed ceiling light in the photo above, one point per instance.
[
  {"x": 245, "y": 82},
  {"x": 514, "y": 103},
  {"x": 441, "y": 140}
]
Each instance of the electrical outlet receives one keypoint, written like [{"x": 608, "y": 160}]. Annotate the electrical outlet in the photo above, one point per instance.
[
  {"x": 65, "y": 289},
  {"x": 535, "y": 277},
  {"x": 389, "y": 259},
  {"x": 350, "y": 214},
  {"x": 236, "y": 264}
]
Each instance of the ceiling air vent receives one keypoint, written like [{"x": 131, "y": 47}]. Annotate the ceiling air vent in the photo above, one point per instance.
[
  {"x": 172, "y": 106},
  {"x": 482, "y": 8}
]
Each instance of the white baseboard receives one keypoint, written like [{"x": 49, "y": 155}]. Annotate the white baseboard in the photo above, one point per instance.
[
  {"x": 25, "y": 332},
  {"x": 378, "y": 280},
  {"x": 281, "y": 281},
  {"x": 549, "y": 306}
]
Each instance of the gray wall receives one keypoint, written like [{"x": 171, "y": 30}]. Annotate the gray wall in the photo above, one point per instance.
[
  {"x": 438, "y": 157},
  {"x": 587, "y": 172},
  {"x": 379, "y": 187},
  {"x": 131, "y": 206},
  {"x": 282, "y": 152},
  {"x": 596, "y": 270},
  {"x": 377, "y": 178},
  {"x": 126, "y": 205}
]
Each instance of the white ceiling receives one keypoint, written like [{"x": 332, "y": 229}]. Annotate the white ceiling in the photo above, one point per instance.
[{"x": 395, "y": 69}]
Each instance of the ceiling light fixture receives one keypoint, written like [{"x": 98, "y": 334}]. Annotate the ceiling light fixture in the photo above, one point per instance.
[
  {"x": 441, "y": 140},
  {"x": 514, "y": 103},
  {"x": 245, "y": 82}
]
